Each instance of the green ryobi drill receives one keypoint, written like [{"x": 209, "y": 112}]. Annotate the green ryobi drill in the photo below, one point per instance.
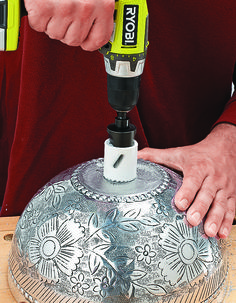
[
  {"x": 124, "y": 57},
  {"x": 11, "y": 12}
]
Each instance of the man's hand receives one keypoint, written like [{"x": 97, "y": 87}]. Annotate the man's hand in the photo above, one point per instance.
[
  {"x": 85, "y": 23},
  {"x": 209, "y": 183}
]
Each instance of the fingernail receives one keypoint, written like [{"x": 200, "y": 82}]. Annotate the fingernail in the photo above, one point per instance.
[
  {"x": 196, "y": 218},
  {"x": 213, "y": 228},
  {"x": 225, "y": 232},
  {"x": 183, "y": 203}
]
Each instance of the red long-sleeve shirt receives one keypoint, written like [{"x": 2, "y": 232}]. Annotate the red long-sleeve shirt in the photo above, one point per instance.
[{"x": 54, "y": 109}]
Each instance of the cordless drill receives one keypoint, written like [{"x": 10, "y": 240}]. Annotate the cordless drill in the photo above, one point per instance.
[
  {"x": 124, "y": 57},
  {"x": 11, "y": 12}
]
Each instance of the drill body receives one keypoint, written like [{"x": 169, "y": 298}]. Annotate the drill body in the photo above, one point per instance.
[
  {"x": 11, "y": 12},
  {"x": 125, "y": 53},
  {"x": 124, "y": 57}
]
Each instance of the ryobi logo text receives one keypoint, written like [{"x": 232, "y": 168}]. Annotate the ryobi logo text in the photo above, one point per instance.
[{"x": 130, "y": 24}]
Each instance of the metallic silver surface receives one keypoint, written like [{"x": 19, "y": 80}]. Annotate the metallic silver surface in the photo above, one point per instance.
[
  {"x": 85, "y": 239},
  {"x": 123, "y": 68},
  {"x": 2, "y": 39}
]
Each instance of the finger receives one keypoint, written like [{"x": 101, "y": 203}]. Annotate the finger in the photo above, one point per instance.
[
  {"x": 57, "y": 28},
  {"x": 77, "y": 32},
  {"x": 227, "y": 222},
  {"x": 202, "y": 201},
  {"x": 102, "y": 28},
  {"x": 171, "y": 157},
  {"x": 215, "y": 214},
  {"x": 99, "y": 34},
  {"x": 39, "y": 15},
  {"x": 193, "y": 181},
  {"x": 150, "y": 154},
  {"x": 39, "y": 22},
  {"x": 174, "y": 158},
  {"x": 79, "y": 20}
]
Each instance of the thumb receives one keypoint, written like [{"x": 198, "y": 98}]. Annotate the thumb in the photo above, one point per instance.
[{"x": 169, "y": 157}]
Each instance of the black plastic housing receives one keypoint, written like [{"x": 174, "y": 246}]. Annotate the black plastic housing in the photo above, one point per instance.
[
  {"x": 123, "y": 92},
  {"x": 121, "y": 133}
]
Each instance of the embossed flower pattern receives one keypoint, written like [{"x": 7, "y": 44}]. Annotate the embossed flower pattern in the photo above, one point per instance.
[
  {"x": 29, "y": 217},
  {"x": 137, "y": 248},
  {"x": 145, "y": 253},
  {"x": 104, "y": 284},
  {"x": 54, "y": 248},
  {"x": 187, "y": 253},
  {"x": 79, "y": 285}
]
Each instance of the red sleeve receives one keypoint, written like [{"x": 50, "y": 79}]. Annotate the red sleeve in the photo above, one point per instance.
[{"x": 229, "y": 113}]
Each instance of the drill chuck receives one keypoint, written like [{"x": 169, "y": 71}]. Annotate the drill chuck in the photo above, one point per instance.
[
  {"x": 123, "y": 95},
  {"x": 123, "y": 92}
]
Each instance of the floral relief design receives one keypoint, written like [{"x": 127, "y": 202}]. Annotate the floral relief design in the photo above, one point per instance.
[
  {"x": 29, "y": 217},
  {"x": 162, "y": 208},
  {"x": 104, "y": 284},
  {"x": 114, "y": 256},
  {"x": 84, "y": 244},
  {"x": 188, "y": 253},
  {"x": 54, "y": 248},
  {"x": 145, "y": 253},
  {"x": 54, "y": 193},
  {"x": 23, "y": 267},
  {"x": 79, "y": 285}
]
